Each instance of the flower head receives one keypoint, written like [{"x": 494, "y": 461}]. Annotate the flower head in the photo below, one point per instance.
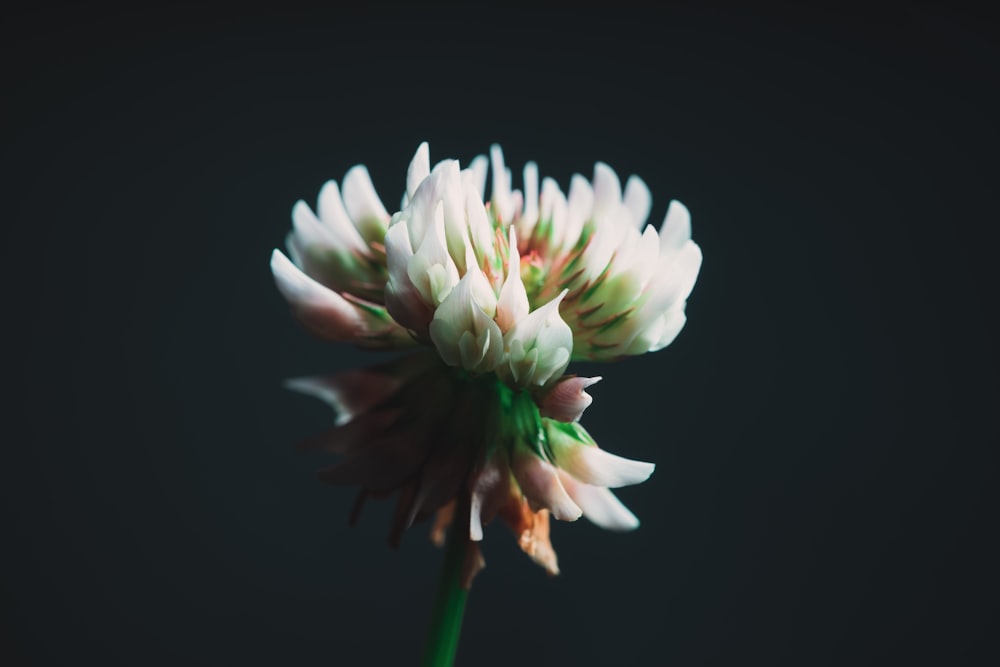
[{"x": 501, "y": 295}]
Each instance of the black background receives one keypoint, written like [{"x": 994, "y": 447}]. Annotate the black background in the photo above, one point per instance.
[{"x": 822, "y": 427}]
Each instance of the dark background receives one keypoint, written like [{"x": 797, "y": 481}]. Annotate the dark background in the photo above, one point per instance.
[{"x": 823, "y": 427}]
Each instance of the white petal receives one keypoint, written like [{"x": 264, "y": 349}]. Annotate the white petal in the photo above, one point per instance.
[
  {"x": 478, "y": 166},
  {"x": 579, "y": 206},
  {"x": 334, "y": 216},
  {"x": 676, "y": 228},
  {"x": 553, "y": 205},
  {"x": 484, "y": 490},
  {"x": 432, "y": 269},
  {"x": 544, "y": 333},
  {"x": 599, "y": 505},
  {"x": 592, "y": 465},
  {"x": 672, "y": 323},
  {"x": 310, "y": 231},
  {"x": 464, "y": 335},
  {"x": 363, "y": 204},
  {"x": 529, "y": 215},
  {"x": 501, "y": 194},
  {"x": 512, "y": 305},
  {"x": 575, "y": 452},
  {"x": 419, "y": 169},
  {"x": 324, "y": 312},
  {"x": 403, "y": 300},
  {"x": 479, "y": 228},
  {"x": 607, "y": 189},
  {"x": 638, "y": 199}
]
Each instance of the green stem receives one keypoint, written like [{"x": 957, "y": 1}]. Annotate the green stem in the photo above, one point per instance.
[{"x": 449, "y": 602}]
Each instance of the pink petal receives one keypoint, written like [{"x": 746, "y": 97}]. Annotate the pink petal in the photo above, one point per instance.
[{"x": 567, "y": 399}]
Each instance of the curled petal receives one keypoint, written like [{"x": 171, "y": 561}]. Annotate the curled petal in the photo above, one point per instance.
[
  {"x": 567, "y": 400},
  {"x": 599, "y": 505},
  {"x": 575, "y": 452}
]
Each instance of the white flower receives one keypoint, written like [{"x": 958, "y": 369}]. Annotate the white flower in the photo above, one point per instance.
[{"x": 502, "y": 294}]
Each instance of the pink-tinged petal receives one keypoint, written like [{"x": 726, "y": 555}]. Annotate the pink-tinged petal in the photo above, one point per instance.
[
  {"x": 363, "y": 204},
  {"x": 567, "y": 400},
  {"x": 539, "y": 482},
  {"x": 321, "y": 310},
  {"x": 512, "y": 304},
  {"x": 592, "y": 465},
  {"x": 419, "y": 169},
  {"x": 676, "y": 228},
  {"x": 334, "y": 217},
  {"x": 638, "y": 199},
  {"x": 599, "y": 505}
]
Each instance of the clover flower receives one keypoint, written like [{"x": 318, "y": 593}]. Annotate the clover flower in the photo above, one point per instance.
[{"x": 497, "y": 297}]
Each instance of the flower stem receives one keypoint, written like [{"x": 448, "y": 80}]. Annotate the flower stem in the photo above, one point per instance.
[{"x": 449, "y": 602}]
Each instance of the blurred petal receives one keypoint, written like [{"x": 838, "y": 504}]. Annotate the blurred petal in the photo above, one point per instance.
[
  {"x": 638, "y": 200},
  {"x": 676, "y": 228},
  {"x": 599, "y": 505}
]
